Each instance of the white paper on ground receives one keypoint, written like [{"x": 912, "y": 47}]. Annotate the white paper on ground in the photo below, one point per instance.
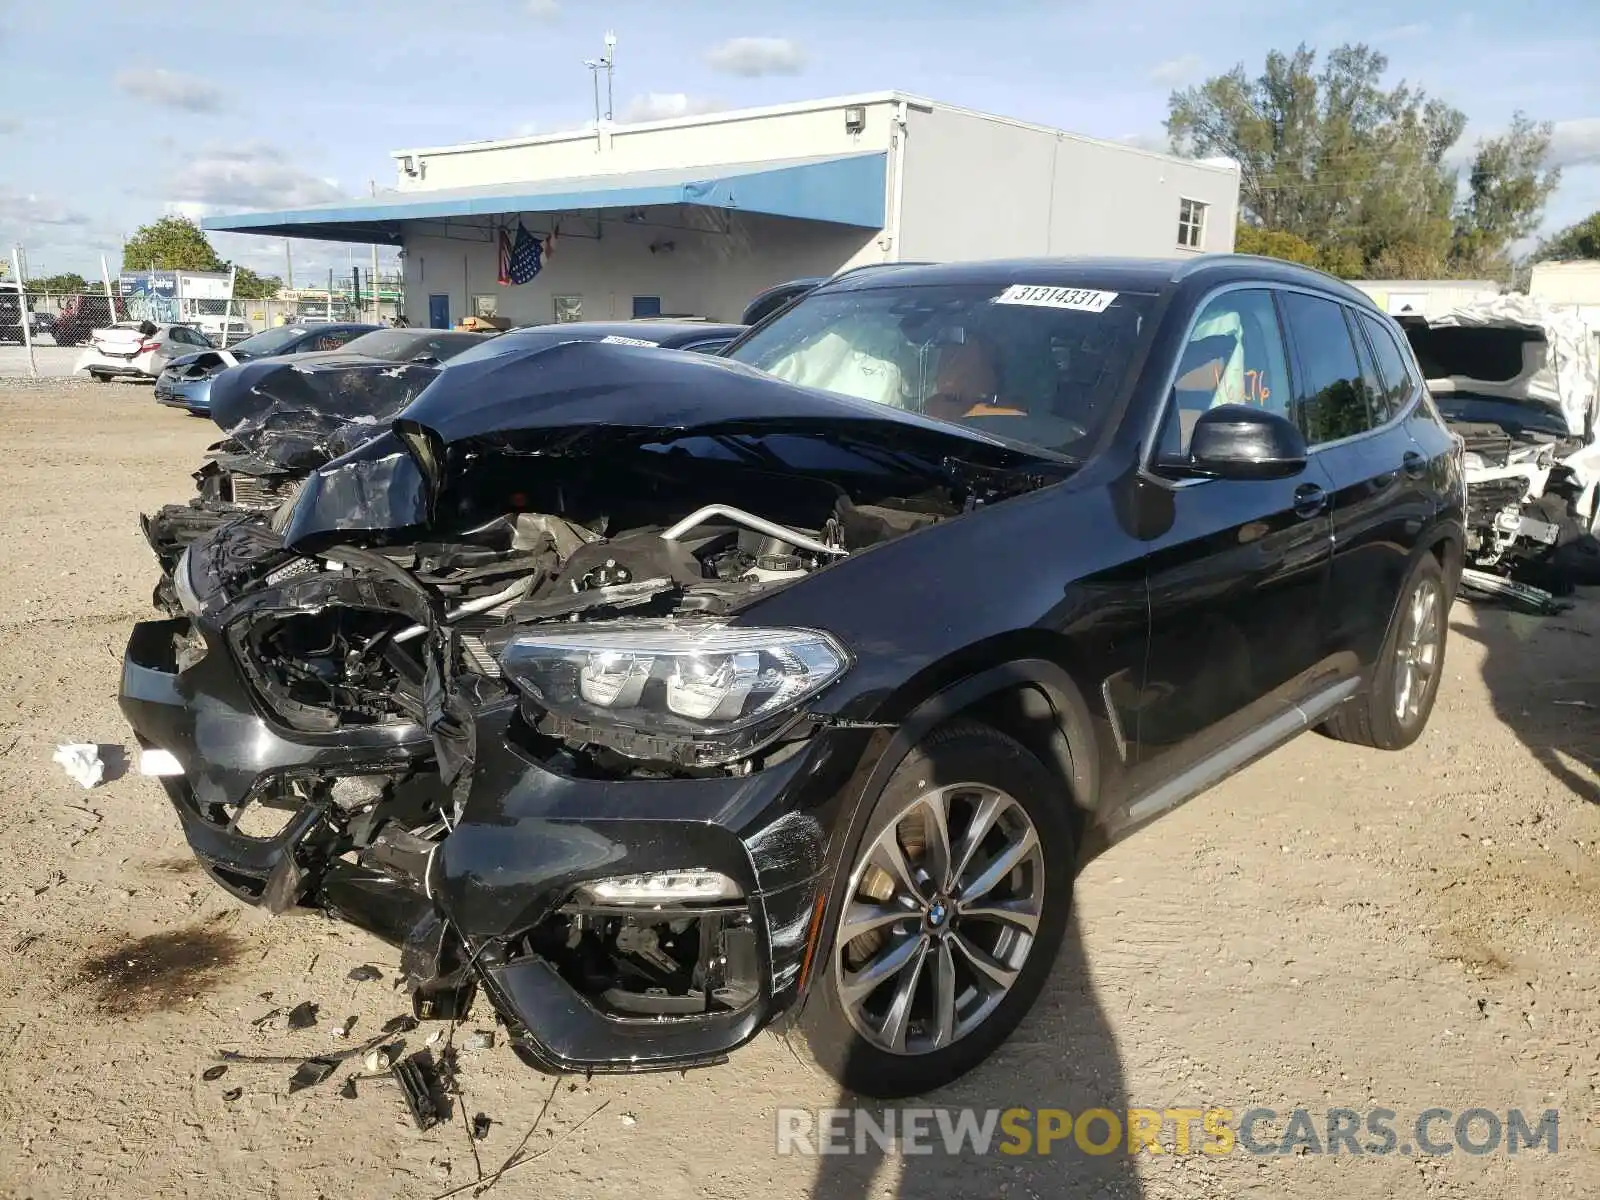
[{"x": 82, "y": 762}]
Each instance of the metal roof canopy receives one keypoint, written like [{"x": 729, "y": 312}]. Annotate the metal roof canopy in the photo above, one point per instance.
[{"x": 846, "y": 190}]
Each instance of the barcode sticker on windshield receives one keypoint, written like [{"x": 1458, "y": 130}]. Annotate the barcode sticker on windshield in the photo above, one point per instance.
[
  {"x": 616, "y": 339},
  {"x": 1076, "y": 299}
]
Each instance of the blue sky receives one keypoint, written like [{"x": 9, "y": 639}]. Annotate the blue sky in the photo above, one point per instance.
[{"x": 111, "y": 114}]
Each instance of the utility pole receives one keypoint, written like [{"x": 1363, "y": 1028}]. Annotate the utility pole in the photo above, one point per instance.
[
  {"x": 288, "y": 265},
  {"x": 604, "y": 63}
]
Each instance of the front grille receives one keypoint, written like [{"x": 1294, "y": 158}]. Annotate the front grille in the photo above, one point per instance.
[{"x": 252, "y": 491}]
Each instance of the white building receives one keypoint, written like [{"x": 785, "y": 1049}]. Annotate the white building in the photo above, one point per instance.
[
  {"x": 1574, "y": 285},
  {"x": 697, "y": 215},
  {"x": 1426, "y": 297}
]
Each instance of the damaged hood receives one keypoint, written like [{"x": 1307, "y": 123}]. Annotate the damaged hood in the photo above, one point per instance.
[
  {"x": 1513, "y": 348},
  {"x": 582, "y": 399},
  {"x": 298, "y": 412}
]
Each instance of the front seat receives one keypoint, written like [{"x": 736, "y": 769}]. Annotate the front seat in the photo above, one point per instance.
[{"x": 966, "y": 378}]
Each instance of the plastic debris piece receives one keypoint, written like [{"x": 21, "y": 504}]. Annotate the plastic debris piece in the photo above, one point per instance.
[
  {"x": 629, "y": 1119},
  {"x": 480, "y": 1039},
  {"x": 267, "y": 1018},
  {"x": 343, "y": 1028},
  {"x": 303, "y": 1015},
  {"x": 375, "y": 1061},
  {"x": 418, "y": 1081},
  {"x": 400, "y": 1024},
  {"x": 232, "y": 1094},
  {"x": 82, "y": 763},
  {"x": 480, "y": 1127},
  {"x": 364, "y": 974},
  {"x": 311, "y": 1072},
  {"x": 348, "y": 1091},
  {"x": 436, "y": 1037},
  {"x": 216, "y": 1072}
]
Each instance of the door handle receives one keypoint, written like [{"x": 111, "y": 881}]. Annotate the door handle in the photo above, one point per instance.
[
  {"x": 1414, "y": 464},
  {"x": 1309, "y": 500}
]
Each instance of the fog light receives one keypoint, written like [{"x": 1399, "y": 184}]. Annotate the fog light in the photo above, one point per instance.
[{"x": 662, "y": 887}]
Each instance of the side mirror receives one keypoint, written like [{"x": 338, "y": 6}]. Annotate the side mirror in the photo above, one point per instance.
[{"x": 1240, "y": 441}]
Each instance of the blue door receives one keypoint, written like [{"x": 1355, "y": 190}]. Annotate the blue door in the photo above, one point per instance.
[
  {"x": 439, "y": 312},
  {"x": 647, "y": 306}
]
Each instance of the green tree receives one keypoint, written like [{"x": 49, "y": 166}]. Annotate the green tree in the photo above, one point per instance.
[
  {"x": 1358, "y": 170},
  {"x": 1575, "y": 241},
  {"x": 1506, "y": 193},
  {"x": 247, "y": 285},
  {"x": 1334, "y": 258},
  {"x": 67, "y": 281},
  {"x": 170, "y": 244}
]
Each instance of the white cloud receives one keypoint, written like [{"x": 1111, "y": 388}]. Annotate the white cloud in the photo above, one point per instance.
[
  {"x": 1156, "y": 142},
  {"x": 29, "y": 210},
  {"x": 543, "y": 10},
  {"x": 662, "y": 106},
  {"x": 753, "y": 56},
  {"x": 245, "y": 177},
  {"x": 171, "y": 90},
  {"x": 1400, "y": 32},
  {"x": 1176, "y": 72},
  {"x": 1575, "y": 143}
]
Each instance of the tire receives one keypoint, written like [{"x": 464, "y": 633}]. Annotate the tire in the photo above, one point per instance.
[
  {"x": 98, "y": 376},
  {"x": 961, "y": 767},
  {"x": 1379, "y": 717}
]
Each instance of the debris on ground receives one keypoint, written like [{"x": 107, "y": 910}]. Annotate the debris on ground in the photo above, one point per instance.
[
  {"x": 303, "y": 1015},
  {"x": 376, "y": 1061},
  {"x": 1481, "y": 585},
  {"x": 419, "y": 1082},
  {"x": 348, "y": 1091},
  {"x": 480, "y": 1126},
  {"x": 312, "y": 1072},
  {"x": 480, "y": 1039},
  {"x": 232, "y": 1094},
  {"x": 214, "y": 1073},
  {"x": 364, "y": 974},
  {"x": 82, "y": 763},
  {"x": 267, "y": 1018},
  {"x": 436, "y": 1037},
  {"x": 400, "y": 1024},
  {"x": 343, "y": 1028}
]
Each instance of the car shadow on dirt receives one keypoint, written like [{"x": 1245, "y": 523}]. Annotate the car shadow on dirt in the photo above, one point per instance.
[
  {"x": 1542, "y": 677},
  {"x": 1064, "y": 1057}
]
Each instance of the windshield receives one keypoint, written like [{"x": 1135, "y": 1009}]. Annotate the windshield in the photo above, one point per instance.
[
  {"x": 1036, "y": 364},
  {"x": 269, "y": 341}
]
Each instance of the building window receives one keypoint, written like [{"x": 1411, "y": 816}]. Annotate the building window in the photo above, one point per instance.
[
  {"x": 1191, "y": 224},
  {"x": 486, "y": 305},
  {"x": 568, "y": 308}
]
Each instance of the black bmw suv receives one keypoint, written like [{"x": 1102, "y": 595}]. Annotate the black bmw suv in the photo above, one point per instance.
[{"x": 660, "y": 698}]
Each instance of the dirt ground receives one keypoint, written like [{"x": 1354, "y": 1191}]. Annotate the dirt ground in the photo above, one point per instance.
[{"x": 1332, "y": 928}]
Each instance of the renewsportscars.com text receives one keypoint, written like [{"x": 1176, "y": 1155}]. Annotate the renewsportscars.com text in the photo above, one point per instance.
[{"x": 1215, "y": 1131}]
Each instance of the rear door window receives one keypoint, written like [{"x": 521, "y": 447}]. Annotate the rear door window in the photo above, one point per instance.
[
  {"x": 1398, "y": 378},
  {"x": 1330, "y": 395}
]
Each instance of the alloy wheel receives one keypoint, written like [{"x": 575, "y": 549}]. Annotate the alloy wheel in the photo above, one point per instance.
[
  {"x": 942, "y": 910},
  {"x": 1417, "y": 652}
]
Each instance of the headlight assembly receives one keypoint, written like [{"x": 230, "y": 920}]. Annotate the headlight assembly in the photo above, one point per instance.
[
  {"x": 720, "y": 687},
  {"x": 1472, "y": 461},
  {"x": 183, "y": 584}
]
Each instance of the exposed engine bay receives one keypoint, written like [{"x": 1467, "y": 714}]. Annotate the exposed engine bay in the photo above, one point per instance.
[{"x": 1516, "y": 380}]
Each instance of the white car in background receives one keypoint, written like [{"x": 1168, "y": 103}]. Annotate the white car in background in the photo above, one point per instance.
[
  {"x": 224, "y": 331},
  {"x": 137, "y": 349}
]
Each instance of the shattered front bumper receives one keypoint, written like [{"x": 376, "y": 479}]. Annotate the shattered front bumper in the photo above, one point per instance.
[
  {"x": 191, "y": 395},
  {"x": 526, "y": 840}
]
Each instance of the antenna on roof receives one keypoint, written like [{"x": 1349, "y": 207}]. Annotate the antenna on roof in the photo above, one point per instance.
[{"x": 604, "y": 63}]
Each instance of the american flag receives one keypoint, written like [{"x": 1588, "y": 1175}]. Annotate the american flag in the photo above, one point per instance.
[{"x": 520, "y": 260}]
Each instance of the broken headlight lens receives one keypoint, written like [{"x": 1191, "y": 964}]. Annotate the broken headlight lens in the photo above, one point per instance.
[
  {"x": 673, "y": 679},
  {"x": 183, "y": 583}
]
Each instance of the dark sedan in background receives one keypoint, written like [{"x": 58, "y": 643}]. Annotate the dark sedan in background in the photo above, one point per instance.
[
  {"x": 700, "y": 337},
  {"x": 186, "y": 381}
]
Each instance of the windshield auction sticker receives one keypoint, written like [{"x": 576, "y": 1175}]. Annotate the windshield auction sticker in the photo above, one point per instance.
[{"x": 1075, "y": 299}]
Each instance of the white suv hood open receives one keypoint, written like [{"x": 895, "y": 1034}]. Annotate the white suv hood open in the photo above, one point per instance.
[{"x": 1559, "y": 373}]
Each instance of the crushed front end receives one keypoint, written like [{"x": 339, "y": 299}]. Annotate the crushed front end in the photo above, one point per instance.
[{"x": 498, "y": 687}]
